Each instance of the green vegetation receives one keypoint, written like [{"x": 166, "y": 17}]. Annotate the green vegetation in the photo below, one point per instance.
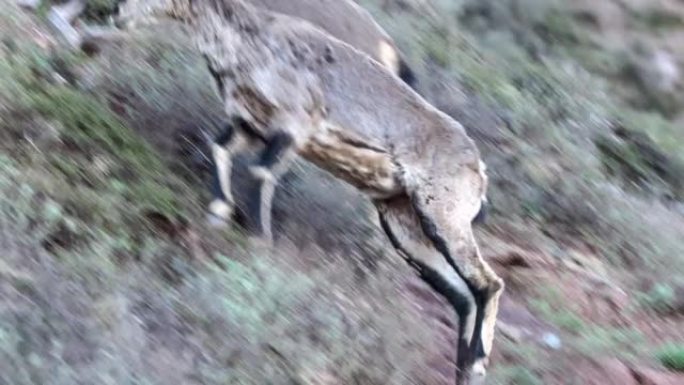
[
  {"x": 672, "y": 356},
  {"x": 563, "y": 318},
  {"x": 600, "y": 341},
  {"x": 515, "y": 375},
  {"x": 659, "y": 298},
  {"x": 656, "y": 19},
  {"x": 90, "y": 132}
]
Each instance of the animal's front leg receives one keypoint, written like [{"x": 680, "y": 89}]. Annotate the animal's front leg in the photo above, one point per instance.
[
  {"x": 453, "y": 237},
  {"x": 399, "y": 220},
  {"x": 226, "y": 144},
  {"x": 272, "y": 164}
]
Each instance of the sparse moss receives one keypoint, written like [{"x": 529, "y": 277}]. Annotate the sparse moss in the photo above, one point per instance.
[{"x": 626, "y": 343}]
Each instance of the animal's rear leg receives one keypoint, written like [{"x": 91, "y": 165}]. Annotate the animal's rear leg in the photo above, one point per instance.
[
  {"x": 273, "y": 163},
  {"x": 225, "y": 145},
  {"x": 402, "y": 225}
]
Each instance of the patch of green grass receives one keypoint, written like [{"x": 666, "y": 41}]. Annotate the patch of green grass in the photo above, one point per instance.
[
  {"x": 563, "y": 318},
  {"x": 591, "y": 339},
  {"x": 600, "y": 60},
  {"x": 90, "y": 130},
  {"x": 558, "y": 27},
  {"x": 661, "y": 131},
  {"x": 657, "y": 19},
  {"x": 93, "y": 129},
  {"x": 633, "y": 156},
  {"x": 626, "y": 343},
  {"x": 672, "y": 356},
  {"x": 255, "y": 295},
  {"x": 100, "y": 176},
  {"x": 437, "y": 47},
  {"x": 659, "y": 298},
  {"x": 514, "y": 375},
  {"x": 551, "y": 306}
]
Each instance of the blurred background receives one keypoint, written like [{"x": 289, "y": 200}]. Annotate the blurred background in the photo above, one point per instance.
[{"x": 108, "y": 274}]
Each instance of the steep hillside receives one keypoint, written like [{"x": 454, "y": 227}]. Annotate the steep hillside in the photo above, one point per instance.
[{"x": 109, "y": 275}]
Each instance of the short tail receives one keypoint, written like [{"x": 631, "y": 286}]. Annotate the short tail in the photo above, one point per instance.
[{"x": 406, "y": 74}]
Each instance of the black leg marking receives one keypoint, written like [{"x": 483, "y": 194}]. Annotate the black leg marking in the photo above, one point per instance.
[
  {"x": 254, "y": 206},
  {"x": 432, "y": 277},
  {"x": 430, "y": 229},
  {"x": 261, "y": 193},
  {"x": 225, "y": 134},
  {"x": 276, "y": 148},
  {"x": 232, "y": 126},
  {"x": 395, "y": 242},
  {"x": 476, "y": 346},
  {"x": 460, "y": 304},
  {"x": 441, "y": 286},
  {"x": 216, "y": 75},
  {"x": 247, "y": 128}
]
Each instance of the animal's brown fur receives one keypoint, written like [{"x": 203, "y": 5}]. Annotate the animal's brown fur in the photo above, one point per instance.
[
  {"x": 342, "y": 19},
  {"x": 348, "y": 115},
  {"x": 368, "y": 168}
]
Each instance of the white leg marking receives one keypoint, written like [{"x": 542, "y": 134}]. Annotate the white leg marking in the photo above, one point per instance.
[
  {"x": 219, "y": 213},
  {"x": 262, "y": 173},
  {"x": 222, "y": 163}
]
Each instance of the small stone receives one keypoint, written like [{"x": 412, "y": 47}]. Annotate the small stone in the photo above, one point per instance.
[
  {"x": 552, "y": 341},
  {"x": 102, "y": 165}
]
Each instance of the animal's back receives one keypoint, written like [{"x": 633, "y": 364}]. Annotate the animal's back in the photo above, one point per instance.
[
  {"x": 363, "y": 99},
  {"x": 286, "y": 60},
  {"x": 343, "y": 19}
]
